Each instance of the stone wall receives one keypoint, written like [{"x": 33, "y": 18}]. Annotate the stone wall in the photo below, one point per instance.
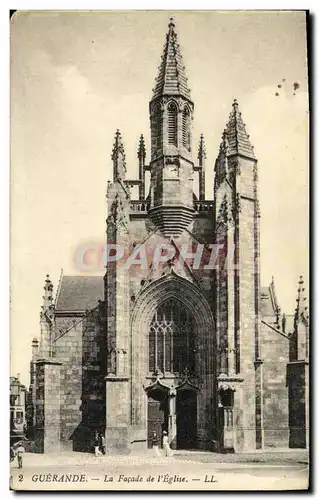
[
  {"x": 81, "y": 350},
  {"x": 275, "y": 354},
  {"x": 297, "y": 376},
  {"x": 68, "y": 350},
  {"x": 47, "y": 406}
]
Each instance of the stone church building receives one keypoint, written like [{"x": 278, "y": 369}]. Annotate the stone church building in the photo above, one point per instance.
[{"x": 174, "y": 343}]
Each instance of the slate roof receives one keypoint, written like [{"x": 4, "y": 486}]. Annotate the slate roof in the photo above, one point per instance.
[
  {"x": 237, "y": 137},
  {"x": 171, "y": 78},
  {"x": 77, "y": 293}
]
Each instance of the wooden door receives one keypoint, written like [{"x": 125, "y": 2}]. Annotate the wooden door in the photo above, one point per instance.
[
  {"x": 186, "y": 419},
  {"x": 157, "y": 415}
]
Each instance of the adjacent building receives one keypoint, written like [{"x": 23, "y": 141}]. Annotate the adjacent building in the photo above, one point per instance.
[{"x": 18, "y": 395}]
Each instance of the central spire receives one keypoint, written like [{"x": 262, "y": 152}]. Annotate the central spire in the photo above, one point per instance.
[
  {"x": 171, "y": 79},
  {"x": 171, "y": 165}
]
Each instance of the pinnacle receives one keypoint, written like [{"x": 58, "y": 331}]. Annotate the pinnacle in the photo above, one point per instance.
[
  {"x": 118, "y": 144},
  {"x": 237, "y": 138},
  {"x": 118, "y": 157},
  {"x": 301, "y": 299},
  {"x": 171, "y": 79},
  {"x": 141, "y": 147},
  {"x": 201, "y": 148},
  {"x": 48, "y": 282}
]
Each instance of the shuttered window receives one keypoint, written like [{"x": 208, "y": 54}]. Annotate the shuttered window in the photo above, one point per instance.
[
  {"x": 172, "y": 124},
  {"x": 157, "y": 128},
  {"x": 186, "y": 129}
]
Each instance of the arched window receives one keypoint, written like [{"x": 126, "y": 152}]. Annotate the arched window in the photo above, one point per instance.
[
  {"x": 186, "y": 129},
  {"x": 157, "y": 127},
  {"x": 172, "y": 124},
  {"x": 172, "y": 339}
]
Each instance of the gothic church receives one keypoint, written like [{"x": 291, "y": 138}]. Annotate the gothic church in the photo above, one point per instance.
[{"x": 203, "y": 353}]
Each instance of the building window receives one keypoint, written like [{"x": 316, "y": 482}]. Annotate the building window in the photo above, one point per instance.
[
  {"x": 172, "y": 339},
  {"x": 226, "y": 398},
  {"x": 19, "y": 417},
  {"x": 157, "y": 128},
  {"x": 172, "y": 124},
  {"x": 186, "y": 129}
]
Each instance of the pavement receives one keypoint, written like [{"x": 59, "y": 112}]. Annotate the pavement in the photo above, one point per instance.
[{"x": 280, "y": 470}]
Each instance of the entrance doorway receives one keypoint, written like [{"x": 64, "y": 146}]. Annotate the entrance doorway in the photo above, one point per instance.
[
  {"x": 157, "y": 414},
  {"x": 186, "y": 419}
]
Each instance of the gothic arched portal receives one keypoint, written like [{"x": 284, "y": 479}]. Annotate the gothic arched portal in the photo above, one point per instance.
[{"x": 164, "y": 307}]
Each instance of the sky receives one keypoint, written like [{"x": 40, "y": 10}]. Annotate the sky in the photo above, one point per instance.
[{"x": 77, "y": 76}]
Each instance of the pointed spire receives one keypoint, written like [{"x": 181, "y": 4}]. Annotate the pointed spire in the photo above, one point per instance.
[
  {"x": 141, "y": 152},
  {"x": 201, "y": 150},
  {"x": 171, "y": 79},
  {"x": 301, "y": 309},
  {"x": 238, "y": 139},
  {"x": 118, "y": 157}
]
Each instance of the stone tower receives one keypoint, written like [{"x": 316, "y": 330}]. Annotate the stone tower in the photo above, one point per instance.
[
  {"x": 298, "y": 373},
  {"x": 171, "y": 166},
  {"x": 159, "y": 317},
  {"x": 237, "y": 285}
]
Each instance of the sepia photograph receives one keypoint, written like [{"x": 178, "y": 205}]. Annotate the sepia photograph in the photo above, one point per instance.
[{"x": 159, "y": 249}]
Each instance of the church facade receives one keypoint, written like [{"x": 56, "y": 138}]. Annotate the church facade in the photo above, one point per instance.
[{"x": 179, "y": 335}]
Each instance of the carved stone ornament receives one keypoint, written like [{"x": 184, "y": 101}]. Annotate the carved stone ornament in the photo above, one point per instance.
[{"x": 172, "y": 160}]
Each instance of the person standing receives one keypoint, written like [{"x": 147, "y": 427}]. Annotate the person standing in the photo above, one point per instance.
[
  {"x": 166, "y": 446},
  {"x": 20, "y": 452},
  {"x": 102, "y": 444},
  {"x": 155, "y": 444},
  {"x": 97, "y": 445}
]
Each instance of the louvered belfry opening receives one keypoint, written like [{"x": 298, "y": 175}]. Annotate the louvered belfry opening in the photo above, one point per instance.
[
  {"x": 172, "y": 339},
  {"x": 172, "y": 124},
  {"x": 157, "y": 128},
  {"x": 186, "y": 134}
]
